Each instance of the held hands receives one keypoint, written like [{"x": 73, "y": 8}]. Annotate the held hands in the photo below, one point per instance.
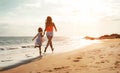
[
  {"x": 43, "y": 33},
  {"x": 55, "y": 30}
]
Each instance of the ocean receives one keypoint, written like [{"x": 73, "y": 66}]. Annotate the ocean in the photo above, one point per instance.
[{"x": 15, "y": 50}]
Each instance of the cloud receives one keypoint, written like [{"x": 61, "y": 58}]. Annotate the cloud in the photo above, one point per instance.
[
  {"x": 30, "y": 14},
  {"x": 29, "y": 11},
  {"x": 33, "y": 5},
  {"x": 9, "y": 5}
]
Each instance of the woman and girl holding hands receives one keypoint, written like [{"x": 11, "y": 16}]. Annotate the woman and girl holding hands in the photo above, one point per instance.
[{"x": 49, "y": 25}]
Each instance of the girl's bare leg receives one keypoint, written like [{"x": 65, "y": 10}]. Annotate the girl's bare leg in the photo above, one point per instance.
[{"x": 40, "y": 50}]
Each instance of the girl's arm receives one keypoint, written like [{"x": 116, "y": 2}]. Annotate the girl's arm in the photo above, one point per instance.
[
  {"x": 34, "y": 37},
  {"x": 42, "y": 39},
  {"x": 54, "y": 27}
]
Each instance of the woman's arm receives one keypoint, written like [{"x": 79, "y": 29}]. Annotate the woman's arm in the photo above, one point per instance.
[{"x": 54, "y": 27}]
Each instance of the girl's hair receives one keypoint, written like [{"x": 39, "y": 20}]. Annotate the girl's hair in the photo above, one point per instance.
[
  {"x": 48, "y": 20},
  {"x": 40, "y": 29}
]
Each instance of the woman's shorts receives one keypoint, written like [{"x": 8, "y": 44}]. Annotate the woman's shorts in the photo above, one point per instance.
[{"x": 49, "y": 33}]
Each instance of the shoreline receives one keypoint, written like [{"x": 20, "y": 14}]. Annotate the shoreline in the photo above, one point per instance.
[
  {"x": 11, "y": 55},
  {"x": 19, "y": 64},
  {"x": 96, "y": 58}
]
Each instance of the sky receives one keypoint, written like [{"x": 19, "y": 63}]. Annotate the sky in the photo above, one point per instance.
[{"x": 71, "y": 17}]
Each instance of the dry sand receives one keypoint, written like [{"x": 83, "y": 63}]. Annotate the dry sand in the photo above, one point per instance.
[{"x": 97, "y": 58}]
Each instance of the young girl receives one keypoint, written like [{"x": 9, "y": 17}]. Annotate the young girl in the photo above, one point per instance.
[
  {"x": 49, "y": 25},
  {"x": 39, "y": 39}
]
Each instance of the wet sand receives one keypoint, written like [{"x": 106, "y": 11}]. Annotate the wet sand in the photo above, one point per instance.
[{"x": 97, "y": 58}]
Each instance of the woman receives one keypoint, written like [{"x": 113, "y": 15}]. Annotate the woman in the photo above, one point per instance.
[{"x": 49, "y": 25}]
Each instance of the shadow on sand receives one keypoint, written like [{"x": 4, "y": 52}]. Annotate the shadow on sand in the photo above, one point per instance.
[{"x": 21, "y": 63}]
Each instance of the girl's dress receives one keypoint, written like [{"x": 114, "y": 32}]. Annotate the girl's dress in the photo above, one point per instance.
[{"x": 38, "y": 40}]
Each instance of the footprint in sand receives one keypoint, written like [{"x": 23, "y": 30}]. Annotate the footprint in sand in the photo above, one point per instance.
[
  {"x": 101, "y": 56},
  {"x": 118, "y": 72},
  {"x": 97, "y": 62},
  {"x": 77, "y": 59},
  {"x": 112, "y": 46},
  {"x": 102, "y": 61},
  {"x": 68, "y": 58},
  {"x": 117, "y": 64},
  {"x": 59, "y": 68},
  {"x": 119, "y": 44},
  {"x": 118, "y": 54},
  {"x": 48, "y": 70},
  {"x": 35, "y": 72}
]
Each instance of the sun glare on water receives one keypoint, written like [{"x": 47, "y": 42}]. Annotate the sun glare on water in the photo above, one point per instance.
[{"x": 81, "y": 42}]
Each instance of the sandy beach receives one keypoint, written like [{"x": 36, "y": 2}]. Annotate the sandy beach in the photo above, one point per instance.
[{"x": 101, "y": 57}]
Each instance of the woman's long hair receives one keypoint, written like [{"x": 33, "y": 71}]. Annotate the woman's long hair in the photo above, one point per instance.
[{"x": 48, "y": 21}]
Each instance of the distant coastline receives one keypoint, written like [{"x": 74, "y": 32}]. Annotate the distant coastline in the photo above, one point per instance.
[{"x": 106, "y": 36}]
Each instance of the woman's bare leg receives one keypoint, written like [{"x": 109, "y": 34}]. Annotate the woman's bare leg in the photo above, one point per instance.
[
  {"x": 51, "y": 45},
  {"x": 48, "y": 43}
]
